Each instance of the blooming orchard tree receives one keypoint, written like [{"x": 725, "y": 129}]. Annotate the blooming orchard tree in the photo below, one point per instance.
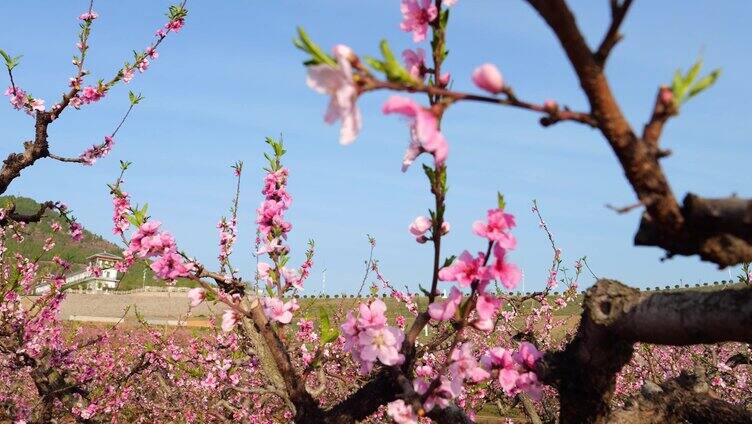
[{"x": 270, "y": 362}]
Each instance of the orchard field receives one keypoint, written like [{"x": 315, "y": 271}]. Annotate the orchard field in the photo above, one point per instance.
[{"x": 197, "y": 306}]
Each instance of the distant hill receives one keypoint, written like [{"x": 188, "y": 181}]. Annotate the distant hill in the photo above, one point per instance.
[{"x": 74, "y": 252}]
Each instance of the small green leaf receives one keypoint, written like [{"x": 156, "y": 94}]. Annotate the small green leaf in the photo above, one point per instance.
[
  {"x": 704, "y": 83},
  {"x": 304, "y": 43},
  {"x": 448, "y": 261},
  {"x": 500, "y": 199},
  {"x": 330, "y": 336},
  {"x": 374, "y": 63},
  {"x": 134, "y": 98},
  {"x": 693, "y": 72},
  {"x": 392, "y": 67}
]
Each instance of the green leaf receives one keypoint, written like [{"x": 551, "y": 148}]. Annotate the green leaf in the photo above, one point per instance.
[
  {"x": 374, "y": 63},
  {"x": 330, "y": 336},
  {"x": 430, "y": 173},
  {"x": 500, "y": 199},
  {"x": 677, "y": 84},
  {"x": 134, "y": 98},
  {"x": 448, "y": 261},
  {"x": 324, "y": 320},
  {"x": 704, "y": 83},
  {"x": 392, "y": 67},
  {"x": 10, "y": 62},
  {"x": 304, "y": 43},
  {"x": 693, "y": 72}
]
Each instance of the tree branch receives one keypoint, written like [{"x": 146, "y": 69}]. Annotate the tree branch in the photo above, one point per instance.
[
  {"x": 684, "y": 399},
  {"x": 612, "y": 37},
  {"x": 664, "y": 224},
  {"x": 615, "y": 317}
]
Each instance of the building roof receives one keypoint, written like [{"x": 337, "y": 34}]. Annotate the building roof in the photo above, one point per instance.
[{"x": 105, "y": 255}]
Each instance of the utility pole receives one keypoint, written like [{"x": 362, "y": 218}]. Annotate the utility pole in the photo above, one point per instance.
[{"x": 323, "y": 281}]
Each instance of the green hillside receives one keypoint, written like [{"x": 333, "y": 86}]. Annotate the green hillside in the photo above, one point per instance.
[{"x": 74, "y": 252}]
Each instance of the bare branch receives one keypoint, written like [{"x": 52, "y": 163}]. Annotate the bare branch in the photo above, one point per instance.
[{"x": 612, "y": 37}]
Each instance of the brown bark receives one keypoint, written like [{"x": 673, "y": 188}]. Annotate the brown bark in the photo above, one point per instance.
[
  {"x": 665, "y": 224},
  {"x": 685, "y": 399},
  {"x": 615, "y": 317},
  {"x": 33, "y": 150}
]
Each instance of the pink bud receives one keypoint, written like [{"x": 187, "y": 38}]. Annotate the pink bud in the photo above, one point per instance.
[
  {"x": 666, "y": 96},
  {"x": 444, "y": 79},
  {"x": 445, "y": 227},
  {"x": 488, "y": 77},
  {"x": 550, "y": 106},
  {"x": 420, "y": 225}
]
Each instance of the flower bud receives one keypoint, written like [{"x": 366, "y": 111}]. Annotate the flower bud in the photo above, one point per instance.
[{"x": 488, "y": 77}]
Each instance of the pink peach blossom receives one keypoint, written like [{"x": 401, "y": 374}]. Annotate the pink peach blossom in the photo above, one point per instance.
[
  {"x": 444, "y": 311},
  {"x": 337, "y": 82},
  {"x": 424, "y": 133},
  {"x": 196, "y": 296},
  {"x": 416, "y": 15},
  {"x": 229, "y": 319},
  {"x": 465, "y": 270}
]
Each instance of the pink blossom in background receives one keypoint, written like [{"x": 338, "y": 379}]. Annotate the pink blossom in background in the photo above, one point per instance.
[
  {"x": 94, "y": 271},
  {"x": 277, "y": 310},
  {"x": 128, "y": 74},
  {"x": 419, "y": 226},
  {"x": 151, "y": 52},
  {"x": 91, "y": 94},
  {"x": 337, "y": 82},
  {"x": 37, "y": 105},
  {"x": 176, "y": 25},
  {"x": 121, "y": 206},
  {"x": 382, "y": 343},
  {"x": 143, "y": 65},
  {"x": 415, "y": 62},
  {"x": 229, "y": 319},
  {"x": 527, "y": 355},
  {"x": 49, "y": 244},
  {"x": 509, "y": 274},
  {"x": 76, "y": 231},
  {"x": 75, "y": 102},
  {"x": 424, "y": 132},
  {"x": 465, "y": 269},
  {"x": 97, "y": 151},
  {"x": 292, "y": 277},
  {"x": 464, "y": 366},
  {"x": 487, "y": 77},
  {"x": 416, "y": 15},
  {"x": 401, "y": 413},
  {"x": 17, "y": 97},
  {"x": 444, "y": 311},
  {"x": 149, "y": 241},
  {"x": 171, "y": 266},
  {"x": 448, "y": 3},
  {"x": 486, "y": 307},
  {"x": 497, "y": 228},
  {"x": 196, "y": 296},
  {"x": 373, "y": 315},
  {"x": 263, "y": 269},
  {"x": 88, "y": 16}
]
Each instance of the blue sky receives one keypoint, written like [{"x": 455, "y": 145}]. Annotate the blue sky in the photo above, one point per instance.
[{"x": 232, "y": 77}]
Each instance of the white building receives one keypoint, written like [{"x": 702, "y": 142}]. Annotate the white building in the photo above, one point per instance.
[{"x": 83, "y": 279}]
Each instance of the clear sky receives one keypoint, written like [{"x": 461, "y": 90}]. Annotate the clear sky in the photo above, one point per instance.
[{"x": 232, "y": 77}]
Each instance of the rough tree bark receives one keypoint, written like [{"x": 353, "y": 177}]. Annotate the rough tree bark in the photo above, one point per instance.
[{"x": 615, "y": 317}]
